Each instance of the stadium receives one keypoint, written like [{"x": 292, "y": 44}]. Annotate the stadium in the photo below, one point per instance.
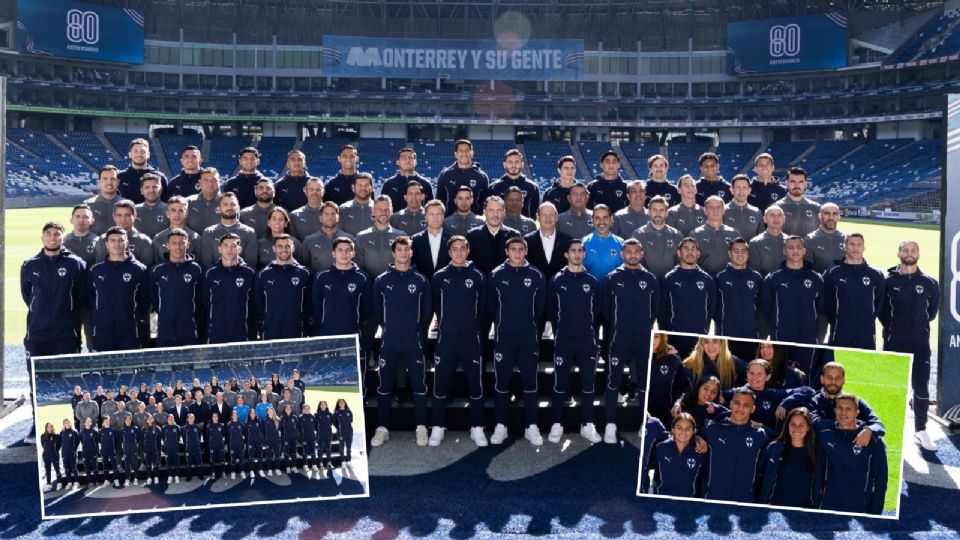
[{"x": 863, "y": 114}]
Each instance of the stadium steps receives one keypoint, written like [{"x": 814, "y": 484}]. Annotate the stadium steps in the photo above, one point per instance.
[
  {"x": 67, "y": 150},
  {"x": 205, "y": 148},
  {"x": 527, "y": 171},
  {"x": 748, "y": 166},
  {"x": 625, "y": 164},
  {"x": 117, "y": 156},
  {"x": 582, "y": 167},
  {"x": 156, "y": 149},
  {"x": 838, "y": 160}
]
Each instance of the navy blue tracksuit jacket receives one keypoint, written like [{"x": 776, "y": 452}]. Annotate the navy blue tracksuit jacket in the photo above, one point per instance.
[
  {"x": 612, "y": 193},
  {"x": 516, "y": 297},
  {"x": 451, "y": 178},
  {"x": 118, "y": 297},
  {"x": 910, "y": 303},
  {"x": 856, "y": 477},
  {"x": 735, "y": 454},
  {"x": 531, "y": 192},
  {"x": 573, "y": 307},
  {"x": 458, "y": 296},
  {"x": 402, "y": 305},
  {"x": 228, "y": 302},
  {"x": 282, "y": 297},
  {"x": 791, "y": 299},
  {"x": 53, "y": 289},
  {"x": 175, "y": 295},
  {"x": 630, "y": 304},
  {"x": 687, "y": 300},
  {"x": 738, "y": 302},
  {"x": 341, "y": 301},
  {"x": 852, "y": 294}
]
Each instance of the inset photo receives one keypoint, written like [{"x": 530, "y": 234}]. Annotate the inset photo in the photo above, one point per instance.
[
  {"x": 775, "y": 424},
  {"x": 200, "y": 427}
]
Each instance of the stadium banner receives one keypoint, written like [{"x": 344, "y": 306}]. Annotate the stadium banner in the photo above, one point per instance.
[
  {"x": 948, "y": 369},
  {"x": 787, "y": 44},
  {"x": 535, "y": 59},
  {"x": 77, "y": 30}
]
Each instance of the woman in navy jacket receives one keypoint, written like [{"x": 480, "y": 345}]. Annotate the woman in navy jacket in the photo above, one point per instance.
[
  {"x": 271, "y": 437},
  {"x": 325, "y": 421},
  {"x": 701, "y": 402},
  {"x": 254, "y": 435},
  {"x": 793, "y": 472},
  {"x": 344, "y": 422},
  {"x": 290, "y": 427},
  {"x": 676, "y": 464},
  {"x": 50, "y": 442},
  {"x": 151, "y": 450},
  {"x": 89, "y": 442},
  {"x": 69, "y": 443},
  {"x": 236, "y": 443}
]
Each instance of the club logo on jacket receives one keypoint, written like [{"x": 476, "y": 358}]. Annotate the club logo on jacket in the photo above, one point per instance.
[
  {"x": 127, "y": 277},
  {"x": 412, "y": 288},
  {"x": 691, "y": 463},
  {"x": 749, "y": 441},
  {"x": 61, "y": 272},
  {"x": 700, "y": 285},
  {"x": 527, "y": 282},
  {"x": 559, "y": 360},
  {"x": 664, "y": 369},
  {"x": 586, "y": 287},
  {"x": 497, "y": 357},
  {"x": 866, "y": 281},
  {"x": 295, "y": 281},
  {"x": 669, "y": 243},
  {"x": 643, "y": 285},
  {"x": 468, "y": 283},
  {"x": 187, "y": 278},
  {"x": 857, "y": 449},
  {"x": 919, "y": 289},
  {"x": 807, "y": 283},
  {"x": 239, "y": 282},
  {"x": 614, "y": 361},
  {"x": 750, "y": 284},
  {"x": 351, "y": 287}
]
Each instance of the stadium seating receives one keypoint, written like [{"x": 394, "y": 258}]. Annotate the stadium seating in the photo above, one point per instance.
[
  {"x": 825, "y": 153},
  {"x": 379, "y": 157},
  {"x": 684, "y": 159},
  {"x": 88, "y": 146},
  {"x": 637, "y": 154},
  {"x": 786, "y": 153},
  {"x": 937, "y": 39},
  {"x": 542, "y": 158},
  {"x": 273, "y": 155},
  {"x": 37, "y": 166},
  {"x": 490, "y": 155},
  {"x": 591, "y": 152},
  {"x": 321, "y": 155},
  {"x": 172, "y": 144},
  {"x": 734, "y": 157},
  {"x": 433, "y": 157}
]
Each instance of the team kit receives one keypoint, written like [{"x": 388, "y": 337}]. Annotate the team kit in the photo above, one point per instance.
[{"x": 194, "y": 260}]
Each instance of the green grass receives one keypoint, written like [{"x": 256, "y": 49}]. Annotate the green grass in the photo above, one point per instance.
[{"x": 882, "y": 380}]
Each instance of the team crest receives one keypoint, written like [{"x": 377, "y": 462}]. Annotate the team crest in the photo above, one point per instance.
[
  {"x": 412, "y": 288},
  {"x": 127, "y": 277},
  {"x": 807, "y": 283},
  {"x": 497, "y": 357},
  {"x": 90, "y": 248},
  {"x": 643, "y": 285},
  {"x": 857, "y": 450},
  {"x": 670, "y": 243},
  {"x": 295, "y": 281},
  {"x": 919, "y": 289},
  {"x": 468, "y": 283},
  {"x": 586, "y": 287},
  {"x": 351, "y": 287},
  {"x": 753, "y": 219},
  {"x": 61, "y": 272},
  {"x": 187, "y": 278},
  {"x": 750, "y": 285},
  {"x": 866, "y": 280},
  {"x": 473, "y": 183},
  {"x": 614, "y": 361},
  {"x": 700, "y": 285},
  {"x": 383, "y": 362},
  {"x": 239, "y": 282},
  {"x": 436, "y": 359},
  {"x": 749, "y": 441},
  {"x": 664, "y": 369},
  {"x": 527, "y": 282},
  {"x": 619, "y": 193},
  {"x": 559, "y": 360},
  {"x": 773, "y": 196},
  {"x": 765, "y": 405},
  {"x": 160, "y": 219},
  {"x": 809, "y": 213},
  {"x": 691, "y": 463}
]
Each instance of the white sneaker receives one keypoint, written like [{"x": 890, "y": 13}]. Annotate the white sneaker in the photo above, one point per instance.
[
  {"x": 296, "y": 469},
  {"x": 148, "y": 481},
  {"x": 380, "y": 436},
  {"x": 923, "y": 439},
  {"x": 176, "y": 479},
  {"x": 589, "y": 432},
  {"x": 233, "y": 476},
  {"x": 243, "y": 475},
  {"x": 422, "y": 436},
  {"x": 270, "y": 472},
  {"x": 30, "y": 440},
  {"x": 156, "y": 480},
  {"x": 316, "y": 468},
  {"x": 126, "y": 483},
  {"x": 288, "y": 470},
  {"x": 136, "y": 481},
  {"x": 116, "y": 484},
  {"x": 436, "y": 436},
  {"x": 610, "y": 434},
  {"x": 262, "y": 475},
  {"x": 105, "y": 483},
  {"x": 532, "y": 434},
  {"x": 556, "y": 433},
  {"x": 499, "y": 434},
  {"x": 476, "y": 433}
]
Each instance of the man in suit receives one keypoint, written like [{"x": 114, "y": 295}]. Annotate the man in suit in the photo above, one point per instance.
[
  {"x": 179, "y": 411},
  {"x": 488, "y": 242},
  {"x": 221, "y": 407},
  {"x": 546, "y": 246},
  {"x": 429, "y": 245}
]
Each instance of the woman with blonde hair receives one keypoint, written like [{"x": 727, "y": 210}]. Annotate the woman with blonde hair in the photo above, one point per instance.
[{"x": 712, "y": 357}]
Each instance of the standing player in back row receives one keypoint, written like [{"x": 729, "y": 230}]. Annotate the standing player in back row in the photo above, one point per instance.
[
  {"x": 765, "y": 189},
  {"x": 657, "y": 183},
  {"x": 396, "y": 186},
  {"x": 711, "y": 183},
  {"x": 338, "y": 188},
  {"x": 463, "y": 172},
  {"x": 852, "y": 293},
  {"x": 514, "y": 177},
  {"x": 608, "y": 187}
]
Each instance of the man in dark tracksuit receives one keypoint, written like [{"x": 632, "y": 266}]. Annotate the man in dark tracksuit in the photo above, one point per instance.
[
  {"x": 139, "y": 154},
  {"x": 630, "y": 303},
  {"x": 291, "y": 189},
  {"x": 459, "y": 293},
  {"x": 170, "y": 434},
  {"x": 516, "y": 294},
  {"x": 283, "y": 293},
  {"x": 573, "y": 308},
  {"x": 117, "y": 290},
  {"x": 687, "y": 298},
  {"x": 852, "y": 293},
  {"x": 513, "y": 165},
  {"x": 464, "y": 172},
  {"x": 109, "y": 439},
  {"x": 856, "y": 475},
  {"x": 401, "y": 303},
  {"x": 341, "y": 294},
  {"x": 244, "y": 182},
  {"x": 396, "y": 186},
  {"x": 910, "y": 302},
  {"x": 608, "y": 187},
  {"x": 191, "y": 446},
  {"x": 175, "y": 294},
  {"x": 736, "y": 451},
  {"x": 228, "y": 295},
  {"x": 738, "y": 299},
  {"x": 339, "y": 189},
  {"x": 790, "y": 299}
]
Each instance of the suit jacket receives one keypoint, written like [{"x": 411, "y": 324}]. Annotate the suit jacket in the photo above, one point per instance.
[
  {"x": 423, "y": 260},
  {"x": 223, "y": 411},
  {"x": 179, "y": 414},
  {"x": 538, "y": 258},
  {"x": 485, "y": 255},
  {"x": 200, "y": 411}
]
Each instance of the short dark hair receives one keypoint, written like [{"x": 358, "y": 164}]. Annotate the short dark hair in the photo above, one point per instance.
[
  {"x": 565, "y": 159},
  {"x": 52, "y": 225},
  {"x": 571, "y": 243},
  {"x": 741, "y": 176},
  {"x": 515, "y": 240},
  {"x": 632, "y": 242},
  {"x": 797, "y": 171},
  {"x": 250, "y": 150},
  {"x": 347, "y": 147},
  {"x": 404, "y": 150},
  {"x": 658, "y": 199},
  {"x": 342, "y": 240},
  {"x": 150, "y": 177},
  {"x": 125, "y": 204},
  {"x": 462, "y": 141},
  {"x": 187, "y": 149},
  {"x": 401, "y": 241},
  {"x": 139, "y": 140},
  {"x": 513, "y": 152},
  {"x": 106, "y": 168},
  {"x": 229, "y": 236},
  {"x": 114, "y": 230},
  {"x": 178, "y": 232},
  {"x": 177, "y": 199},
  {"x": 410, "y": 184},
  {"x": 744, "y": 391},
  {"x": 737, "y": 240},
  {"x": 281, "y": 236},
  {"x": 468, "y": 189},
  {"x": 707, "y": 156},
  {"x": 81, "y": 206},
  {"x": 457, "y": 238}
]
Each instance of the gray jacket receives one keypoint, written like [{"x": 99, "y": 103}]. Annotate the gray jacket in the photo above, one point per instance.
[
  {"x": 151, "y": 219},
  {"x": 373, "y": 250}
]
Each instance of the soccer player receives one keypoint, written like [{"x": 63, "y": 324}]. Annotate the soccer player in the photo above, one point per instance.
[
  {"x": 236, "y": 442},
  {"x": 171, "y": 435},
  {"x": 711, "y": 357},
  {"x": 687, "y": 297},
  {"x": 664, "y": 384},
  {"x": 228, "y": 295},
  {"x": 602, "y": 247},
  {"x": 278, "y": 223},
  {"x": 573, "y": 311},
  {"x": 676, "y": 463},
  {"x": 765, "y": 190},
  {"x": 211, "y": 237},
  {"x": 652, "y": 433},
  {"x": 608, "y": 187},
  {"x": 69, "y": 444},
  {"x": 401, "y": 304},
  {"x": 688, "y": 214},
  {"x": 356, "y": 215},
  {"x": 244, "y": 183},
  {"x": 374, "y": 244},
  {"x": 711, "y": 183},
  {"x": 566, "y": 178},
  {"x": 151, "y": 213},
  {"x": 461, "y": 221},
  {"x": 102, "y": 205},
  {"x": 204, "y": 207},
  {"x": 430, "y": 245},
  {"x": 396, "y": 186},
  {"x": 131, "y": 437},
  {"x": 319, "y": 246},
  {"x": 546, "y": 245},
  {"x": 50, "y": 444},
  {"x": 411, "y": 219},
  {"x": 215, "y": 437},
  {"x": 177, "y": 219},
  {"x": 766, "y": 248},
  {"x": 117, "y": 289},
  {"x": 758, "y": 374},
  {"x": 458, "y": 296},
  {"x": 463, "y": 172},
  {"x": 256, "y": 215},
  {"x": 305, "y": 220},
  {"x": 338, "y": 188},
  {"x": 291, "y": 192},
  {"x": 793, "y": 473},
  {"x": 151, "y": 450},
  {"x": 254, "y": 431},
  {"x": 191, "y": 445},
  {"x": 577, "y": 221},
  {"x": 800, "y": 212},
  {"x": 109, "y": 440},
  {"x": 714, "y": 237},
  {"x": 514, "y": 177},
  {"x": 910, "y": 302},
  {"x": 516, "y": 294},
  {"x": 853, "y": 292},
  {"x": 739, "y": 213},
  {"x": 488, "y": 242},
  {"x": 738, "y": 298},
  {"x": 290, "y": 432},
  {"x": 660, "y": 241},
  {"x": 175, "y": 293},
  {"x": 338, "y": 291},
  {"x": 308, "y": 438},
  {"x": 343, "y": 417},
  {"x": 657, "y": 183},
  {"x": 80, "y": 241},
  {"x": 129, "y": 178},
  {"x": 634, "y": 215},
  {"x": 856, "y": 475},
  {"x": 736, "y": 452},
  {"x": 271, "y": 441},
  {"x": 825, "y": 245},
  {"x": 324, "y": 423},
  {"x": 282, "y": 293},
  {"x": 140, "y": 245},
  {"x": 513, "y": 206},
  {"x": 792, "y": 296},
  {"x": 186, "y": 183},
  {"x": 89, "y": 444},
  {"x": 52, "y": 284}
]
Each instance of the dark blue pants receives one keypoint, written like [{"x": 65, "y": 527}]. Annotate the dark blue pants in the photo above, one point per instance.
[
  {"x": 309, "y": 452},
  {"x": 620, "y": 356},
  {"x": 90, "y": 467},
  {"x": 109, "y": 467},
  {"x": 255, "y": 454},
  {"x": 217, "y": 458},
  {"x": 325, "y": 443},
  {"x": 919, "y": 380},
  {"x": 524, "y": 355},
  {"x": 584, "y": 353},
  {"x": 414, "y": 363},
  {"x": 152, "y": 462},
  {"x": 130, "y": 462},
  {"x": 273, "y": 454},
  {"x": 290, "y": 452},
  {"x": 194, "y": 462},
  {"x": 173, "y": 463},
  {"x": 468, "y": 356},
  {"x": 49, "y": 462},
  {"x": 346, "y": 443},
  {"x": 70, "y": 467}
]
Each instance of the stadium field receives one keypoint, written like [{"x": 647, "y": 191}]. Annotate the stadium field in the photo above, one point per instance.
[{"x": 882, "y": 382}]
